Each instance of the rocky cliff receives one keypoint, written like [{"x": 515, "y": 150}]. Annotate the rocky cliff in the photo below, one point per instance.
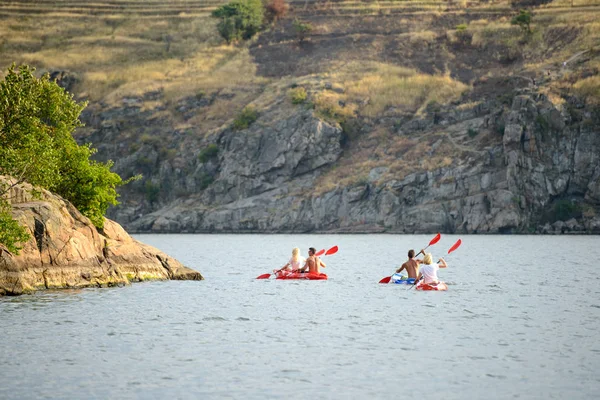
[
  {"x": 67, "y": 251},
  {"x": 536, "y": 156}
]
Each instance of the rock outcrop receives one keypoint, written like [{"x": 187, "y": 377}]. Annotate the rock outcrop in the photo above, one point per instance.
[{"x": 67, "y": 251}]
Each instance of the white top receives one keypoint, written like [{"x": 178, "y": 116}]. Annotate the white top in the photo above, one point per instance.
[
  {"x": 297, "y": 264},
  {"x": 429, "y": 272}
]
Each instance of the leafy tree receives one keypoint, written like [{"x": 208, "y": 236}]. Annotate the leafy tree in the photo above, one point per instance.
[
  {"x": 37, "y": 118},
  {"x": 523, "y": 20},
  {"x": 240, "y": 19}
]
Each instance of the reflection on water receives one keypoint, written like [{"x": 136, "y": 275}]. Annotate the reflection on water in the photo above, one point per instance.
[{"x": 513, "y": 323}]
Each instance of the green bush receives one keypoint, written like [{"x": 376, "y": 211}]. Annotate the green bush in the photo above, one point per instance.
[
  {"x": 499, "y": 127},
  {"x": 302, "y": 29},
  {"x": 152, "y": 191},
  {"x": 208, "y": 153},
  {"x": 240, "y": 19},
  {"x": 37, "y": 118},
  {"x": 472, "y": 132},
  {"x": 565, "y": 210},
  {"x": 461, "y": 27},
  {"x": 297, "y": 95},
  {"x": 245, "y": 118},
  {"x": 12, "y": 234},
  {"x": 351, "y": 130},
  {"x": 205, "y": 180}
]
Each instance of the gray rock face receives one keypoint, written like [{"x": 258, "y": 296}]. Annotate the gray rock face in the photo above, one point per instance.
[{"x": 262, "y": 178}]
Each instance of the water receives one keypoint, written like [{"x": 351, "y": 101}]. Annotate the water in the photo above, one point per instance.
[{"x": 520, "y": 320}]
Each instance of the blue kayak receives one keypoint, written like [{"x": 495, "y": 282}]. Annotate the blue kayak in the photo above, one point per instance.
[{"x": 402, "y": 279}]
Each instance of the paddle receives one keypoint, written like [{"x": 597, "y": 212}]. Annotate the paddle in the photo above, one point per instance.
[
  {"x": 329, "y": 252},
  {"x": 332, "y": 250},
  {"x": 454, "y": 247},
  {"x": 431, "y": 243}
]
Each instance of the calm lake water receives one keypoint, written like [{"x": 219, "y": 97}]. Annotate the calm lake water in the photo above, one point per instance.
[{"x": 520, "y": 320}]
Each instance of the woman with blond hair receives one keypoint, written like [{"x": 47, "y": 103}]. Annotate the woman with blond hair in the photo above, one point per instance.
[
  {"x": 295, "y": 262},
  {"x": 428, "y": 270}
]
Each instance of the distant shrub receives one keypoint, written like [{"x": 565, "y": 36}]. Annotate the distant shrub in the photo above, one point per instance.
[
  {"x": 152, "y": 191},
  {"x": 240, "y": 19},
  {"x": 12, "y": 234},
  {"x": 351, "y": 130},
  {"x": 133, "y": 148},
  {"x": 523, "y": 20},
  {"x": 205, "y": 181},
  {"x": 461, "y": 27},
  {"x": 228, "y": 30},
  {"x": 208, "y": 153},
  {"x": 302, "y": 29},
  {"x": 245, "y": 118},
  {"x": 542, "y": 124},
  {"x": 472, "y": 132},
  {"x": 297, "y": 95},
  {"x": 499, "y": 127},
  {"x": 565, "y": 210},
  {"x": 275, "y": 9}
]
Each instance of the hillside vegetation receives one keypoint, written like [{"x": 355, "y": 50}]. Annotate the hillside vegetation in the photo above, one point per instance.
[{"x": 395, "y": 76}]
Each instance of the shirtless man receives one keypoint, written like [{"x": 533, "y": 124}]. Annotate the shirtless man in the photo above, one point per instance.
[
  {"x": 313, "y": 263},
  {"x": 411, "y": 266}
]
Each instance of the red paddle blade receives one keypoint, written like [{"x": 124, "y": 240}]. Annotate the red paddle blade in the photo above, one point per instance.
[
  {"x": 435, "y": 239},
  {"x": 320, "y": 253},
  {"x": 263, "y": 276},
  {"x": 332, "y": 250},
  {"x": 456, "y": 245},
  {"x": 386, "y": 279}
]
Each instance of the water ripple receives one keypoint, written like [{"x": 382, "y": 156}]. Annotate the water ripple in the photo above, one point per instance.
[{"x": 232, "y": 336}]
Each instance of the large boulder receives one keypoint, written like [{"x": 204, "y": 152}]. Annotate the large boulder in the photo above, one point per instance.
[{"x": 67, "y": 251}]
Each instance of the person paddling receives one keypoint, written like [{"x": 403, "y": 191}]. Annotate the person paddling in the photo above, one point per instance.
[
  {"x": 411, "y": 265},
  {"x": 295, "y": 262},
  {"x": 313, "y": 263},
  {"x": 428, "y": 270}
]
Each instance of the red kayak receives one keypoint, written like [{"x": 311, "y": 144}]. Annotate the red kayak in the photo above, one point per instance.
[
  {"x": 299, "y": 275},
  {"x": 427, "y": 286}
]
